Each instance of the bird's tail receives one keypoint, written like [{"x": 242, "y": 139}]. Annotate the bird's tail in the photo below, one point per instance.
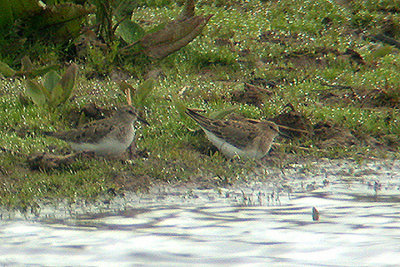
[
  {"x": 48, "y": 133},
  {"x": 200, "y": 119},
  {"x": 54, "y": 134}
]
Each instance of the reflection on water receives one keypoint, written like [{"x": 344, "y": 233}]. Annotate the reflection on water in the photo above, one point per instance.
[{"x": 258, "y": 224}]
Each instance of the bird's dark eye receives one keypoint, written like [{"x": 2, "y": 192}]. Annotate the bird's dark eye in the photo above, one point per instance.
[
  {"x": 272, "y": 127},
  {"x": 130, "y": 111}
]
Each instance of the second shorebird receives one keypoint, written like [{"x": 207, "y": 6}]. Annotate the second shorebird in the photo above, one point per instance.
[
  {"x": 238, "y": 138},
  {"x": 106, "y": 137}
]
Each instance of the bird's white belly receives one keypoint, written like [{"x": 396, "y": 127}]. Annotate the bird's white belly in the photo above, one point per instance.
[
  {"x": 106, "y": 146},
  {"x": 229, "y": 150}
]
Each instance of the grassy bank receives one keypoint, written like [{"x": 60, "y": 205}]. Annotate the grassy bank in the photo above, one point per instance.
[{"x": 315, "y": 65}]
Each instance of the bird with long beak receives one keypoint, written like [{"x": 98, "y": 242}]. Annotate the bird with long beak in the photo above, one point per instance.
[
  {"x": 238, "y": 138},
  {"x": 107, "y": 137}
]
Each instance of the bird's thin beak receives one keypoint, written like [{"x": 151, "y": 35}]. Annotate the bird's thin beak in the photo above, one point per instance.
[
  {"x": 141, "y": 119},
  {"x": 290, "y": 129},
  {"x": 284, "y": 135}
]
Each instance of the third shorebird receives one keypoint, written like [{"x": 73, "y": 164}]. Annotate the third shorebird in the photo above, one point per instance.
[
  {"x": 106, "y": 137},
  {"x": 238, "y": 138}
]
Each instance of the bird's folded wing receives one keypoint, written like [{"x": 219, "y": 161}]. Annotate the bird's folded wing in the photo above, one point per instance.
[
  {"x": 89, "y": 133},
  {"x": 236, "y": 133}
]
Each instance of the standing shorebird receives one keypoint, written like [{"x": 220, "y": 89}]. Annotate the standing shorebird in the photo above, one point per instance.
[
  {"x": 107, "y": 137},
  {"x": 240, "y": 138}
]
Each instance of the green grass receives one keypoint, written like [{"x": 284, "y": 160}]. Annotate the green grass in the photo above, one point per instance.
[{"x": 207, "y": 73}]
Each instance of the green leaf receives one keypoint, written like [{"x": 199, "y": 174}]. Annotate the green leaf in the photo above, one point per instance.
[
  {"x": 56, "y": 96},
  {"x": 16, "y": 9},
  {"x": 51, "y": 79},
  {"x": 51, "y": 2},
  {"x": 130, "y": 31},
  {"x": 35, "y": 91},
  {"x": 61, "y": 22},
  {"x": 67, "y": 81},
  {"x": 22, "y": 8},
  {"x": 41, "y": 71},
  {"x": 6, "y": 70},
  {"x": 143, "y": 91},
  {"x": 157, "y": 28},
  {"x": 52, "y": 88}
]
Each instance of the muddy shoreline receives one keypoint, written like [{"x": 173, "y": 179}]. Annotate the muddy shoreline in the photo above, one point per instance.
[{"x": 266, "y": 187}]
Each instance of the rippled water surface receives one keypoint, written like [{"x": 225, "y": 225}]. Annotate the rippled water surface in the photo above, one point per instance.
[{"x": 253, "y": 224}]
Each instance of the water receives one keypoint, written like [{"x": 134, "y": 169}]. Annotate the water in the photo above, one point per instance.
[{"x": 257, "y": 224}]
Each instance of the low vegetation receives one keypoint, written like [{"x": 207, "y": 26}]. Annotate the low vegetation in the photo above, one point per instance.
[{"x": 330, "y": 69}]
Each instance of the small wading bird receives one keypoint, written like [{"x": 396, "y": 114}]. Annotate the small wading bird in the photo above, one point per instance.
[
  {"x": 238, "y": 138},
  {"x": 107, "y": 137}
]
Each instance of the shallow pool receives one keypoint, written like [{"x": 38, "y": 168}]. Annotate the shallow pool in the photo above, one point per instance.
[{"x": 260, "y": 223}]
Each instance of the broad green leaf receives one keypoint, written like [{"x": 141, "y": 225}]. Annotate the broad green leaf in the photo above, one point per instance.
[
  {"x": 130, "y": 31},
  {"x": 157, "y": 28},
  {"x": 51, "y": 2},
  {"x": 67, "y": 81},
  {"x": 22, "y": 8},
  {"x": 143, "y": 91},
  {"x": 6, "y": 70},
  {"x": 35, "y": 91},
  {"x": 220, "y": 114},
  {"x": 56, "y": 96},
  {"x": 51, "y": 79},
  {"x": 41, "y": 71},
  {"x": 10, "y": 10},
  {"x": 61, "y": 22}
]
